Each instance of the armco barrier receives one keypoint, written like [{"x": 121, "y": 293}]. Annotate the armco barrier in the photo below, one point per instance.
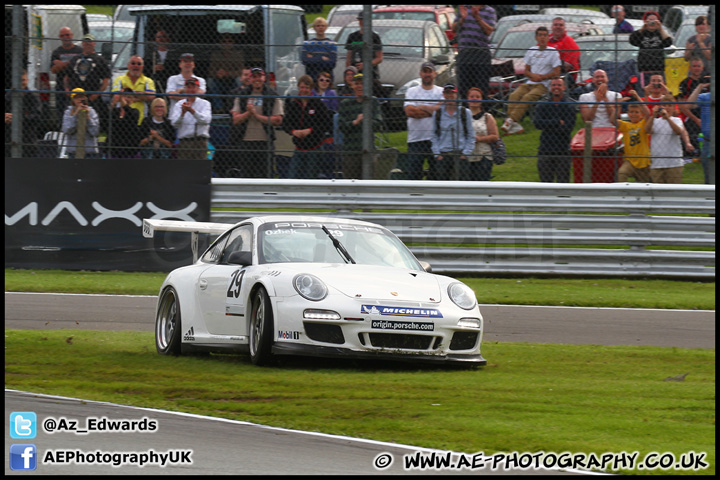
[{"x": 502, "y": 228}]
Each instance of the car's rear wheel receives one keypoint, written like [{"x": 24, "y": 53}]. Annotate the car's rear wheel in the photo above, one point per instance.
[
  {"x": 168, "y": 324},
  {"x": 261, "y": 328}
]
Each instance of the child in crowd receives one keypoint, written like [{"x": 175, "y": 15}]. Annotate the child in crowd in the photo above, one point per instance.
[{"x": 636, "y": 162}]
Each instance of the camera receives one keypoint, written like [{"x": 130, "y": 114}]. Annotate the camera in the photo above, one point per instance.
[
  {"x": 84, "y": 101},
  {"x": 705, "y": 79},
  {"x": 657, "y": 85}
]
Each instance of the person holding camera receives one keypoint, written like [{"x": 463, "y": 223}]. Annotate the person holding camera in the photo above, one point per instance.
[
  {"x": 691, "y": 116},
  {"x": 666, "y": 147},
  {"x": 651, "y": 39},
  {"x": 701, "y": 94},
  {"x": 80, "y": 120}
]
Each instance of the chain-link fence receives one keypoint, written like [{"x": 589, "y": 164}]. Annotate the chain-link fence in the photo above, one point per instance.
[{"x": 429, "y": 93}]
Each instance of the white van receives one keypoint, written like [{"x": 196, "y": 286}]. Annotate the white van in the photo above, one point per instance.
[{"x": 41, "y": 28}]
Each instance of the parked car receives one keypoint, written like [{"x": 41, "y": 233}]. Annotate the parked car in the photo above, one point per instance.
[
  {"x": 111, "y": 37},
  {"x": 314, "y": 286},
  {"x": 505, "y": 10},
  {"x": 610, "y": 48},
  {"x": 574, "y": 15},
  {"x": 637, "y": 10},
  {"x": 443, "y": 15},
  {"x": 407, "y": 44},
  {"x": 562, "y": 12},
  {"x": 679, "y": 14},
  {"x": 341, "y": 15}
]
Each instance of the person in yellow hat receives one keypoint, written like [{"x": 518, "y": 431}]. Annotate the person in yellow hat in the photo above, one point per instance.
[{"x": 77, "y": 108}]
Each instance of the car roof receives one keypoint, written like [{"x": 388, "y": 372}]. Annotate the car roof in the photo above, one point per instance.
[
  {"x": 210, "y": 8},
  {"x": 608, "y": 37},
  {"x": 397, "y": 8},
  {"x": 559, "y": 12},
  {"x": 110, "y": 23},
  {"x": 400, "y": 22},
  {"x": 308, "y": 218},
  {"x": 570, "y": 27}
]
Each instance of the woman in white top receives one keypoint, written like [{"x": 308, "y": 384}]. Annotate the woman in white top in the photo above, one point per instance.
[{"x": 479, "y": 165}]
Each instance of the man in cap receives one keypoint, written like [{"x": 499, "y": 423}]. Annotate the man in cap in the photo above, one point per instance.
[
  {"x": 91, "y": 72},
  {"x": 191, "y": 117},
  {"x": 453, "y": 137},
  {"x": 354, "y": 46},
  {"x": 256, "y": 113},
  {"x": 176, "y": 83},
  {"x": 139, "y": 83},
  {"x": 421, "y": 101}
]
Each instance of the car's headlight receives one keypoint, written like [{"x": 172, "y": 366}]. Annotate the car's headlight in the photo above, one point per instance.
[
  {"x": 462, "y": 295},
  {"x": 412, "y": 83},
  {"x": 310, "y": 287}
]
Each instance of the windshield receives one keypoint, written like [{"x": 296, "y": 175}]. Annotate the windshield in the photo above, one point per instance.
[
  {"x": 610, "y": 51},
  {"x": 308, "y": 242},
  {"x": 396, "y": 40},
  {"x": 120, "y": 35},
  {"x": 516, "y": 44}
]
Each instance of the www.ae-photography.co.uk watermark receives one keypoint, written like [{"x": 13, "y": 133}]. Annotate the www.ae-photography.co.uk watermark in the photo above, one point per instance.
[{"x": 609, "y": 461}]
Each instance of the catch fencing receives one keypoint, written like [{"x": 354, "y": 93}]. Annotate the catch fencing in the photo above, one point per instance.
[
  {"x": 506, "y": 228},
  {"x": 359, "y": 136}
]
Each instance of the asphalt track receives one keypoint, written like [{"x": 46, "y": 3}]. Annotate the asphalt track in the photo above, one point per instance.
[
  {"x": 229, "y": 447},
  {"x": 504, "y": 323}
]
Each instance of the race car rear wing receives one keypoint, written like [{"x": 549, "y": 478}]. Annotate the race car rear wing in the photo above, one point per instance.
[{"x": 150, "y": 226}]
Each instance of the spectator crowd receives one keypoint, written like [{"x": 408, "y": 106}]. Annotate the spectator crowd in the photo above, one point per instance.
[{"x": 162, "y": 109}]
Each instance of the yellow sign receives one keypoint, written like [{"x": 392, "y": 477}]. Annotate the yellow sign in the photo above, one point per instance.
[{"x": 36, "y": 32}]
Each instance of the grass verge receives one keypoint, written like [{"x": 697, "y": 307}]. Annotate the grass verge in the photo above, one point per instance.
[
  {"x": 600, "y": 292},
  {"x": 554, "y": 398}
]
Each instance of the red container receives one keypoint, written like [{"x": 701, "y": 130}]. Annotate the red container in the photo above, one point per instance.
[{"x": 607, "y": 146}]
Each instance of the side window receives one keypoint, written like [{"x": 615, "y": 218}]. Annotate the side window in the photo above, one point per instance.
[
  {"x": 442, "y": 21},
  {"x": 239, "y": 240},
  {"x": 215, "y": 251}
]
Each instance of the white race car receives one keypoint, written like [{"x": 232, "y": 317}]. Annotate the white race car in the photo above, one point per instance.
[{"x": 314, "y": 286}]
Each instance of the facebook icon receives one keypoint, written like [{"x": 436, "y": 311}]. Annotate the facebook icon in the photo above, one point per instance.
[{"x": 23, "y": 456}]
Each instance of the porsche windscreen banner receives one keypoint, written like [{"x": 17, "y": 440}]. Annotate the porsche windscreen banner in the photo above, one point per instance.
[{"x": 87, "y": 214}]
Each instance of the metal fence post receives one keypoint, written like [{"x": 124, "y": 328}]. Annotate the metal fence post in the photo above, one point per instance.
[
  {"x": 587, "y": 153},
  {"x": 368, "y": 82},
  {"x": 16, "y": 82}
]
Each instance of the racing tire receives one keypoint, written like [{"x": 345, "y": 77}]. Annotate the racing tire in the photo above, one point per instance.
[
  {"x": 168, "y": 324},
  {"x": 261, "y": 329}
]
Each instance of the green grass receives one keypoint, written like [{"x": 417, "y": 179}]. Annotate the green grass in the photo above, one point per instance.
[
  {"x": 600, "y": 292},
  {"x": 530, "y": 398}
]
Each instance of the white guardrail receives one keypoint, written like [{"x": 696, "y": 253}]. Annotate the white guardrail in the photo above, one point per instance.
[{"x": 501, "y": 228}]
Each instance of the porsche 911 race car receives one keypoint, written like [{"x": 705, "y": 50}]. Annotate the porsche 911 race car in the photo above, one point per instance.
[{"x": 313, "y": 286}]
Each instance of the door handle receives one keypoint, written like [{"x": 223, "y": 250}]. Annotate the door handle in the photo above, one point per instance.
[{"x": 203, "y": 284}]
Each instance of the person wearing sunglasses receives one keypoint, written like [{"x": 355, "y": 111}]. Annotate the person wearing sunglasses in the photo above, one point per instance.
[{"x": 143, "y": 86}]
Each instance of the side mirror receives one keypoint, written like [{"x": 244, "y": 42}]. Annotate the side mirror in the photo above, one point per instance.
[
  {"x": 441, "y": 59},
  {"x": 240, "y": 258},
  {"x": 426, "y": 266}
]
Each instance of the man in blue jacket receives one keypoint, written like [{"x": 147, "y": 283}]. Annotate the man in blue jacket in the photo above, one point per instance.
[
  {"x": 556, "y": 120},
  {"x": 453, "y": 138}
]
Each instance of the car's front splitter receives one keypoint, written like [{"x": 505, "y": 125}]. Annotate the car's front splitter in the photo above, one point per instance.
[{"x": 338, "y": 352}]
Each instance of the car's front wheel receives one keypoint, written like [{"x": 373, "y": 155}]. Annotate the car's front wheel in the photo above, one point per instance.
[
  {"x": 261, "y": 328},
  {"x": 168, "y": 323}
]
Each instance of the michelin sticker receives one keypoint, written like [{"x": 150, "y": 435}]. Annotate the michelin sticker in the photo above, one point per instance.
[{"x": 400, "y": 311}]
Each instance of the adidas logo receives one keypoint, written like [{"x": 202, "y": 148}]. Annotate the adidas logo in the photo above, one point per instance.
[{"x": 190, "y": 335}]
